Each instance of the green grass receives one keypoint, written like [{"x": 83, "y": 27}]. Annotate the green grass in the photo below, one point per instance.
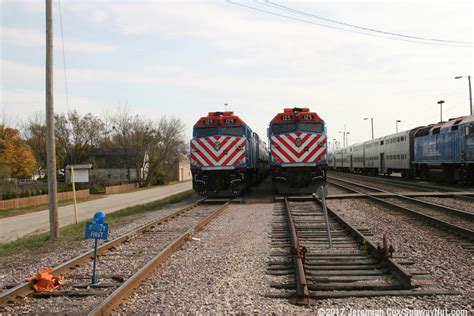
[{"x": 42, "y": 243}]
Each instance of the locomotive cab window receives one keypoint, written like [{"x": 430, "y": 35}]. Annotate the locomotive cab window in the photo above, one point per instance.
[
  {"x": 311, "y": 127},
  {"x": 283, "y": 128},
  {"x": 205, "y": 131},
  {"x": 233, "y": 130}
]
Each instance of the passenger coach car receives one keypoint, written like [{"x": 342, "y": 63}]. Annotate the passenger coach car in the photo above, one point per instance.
[
  {"x": 445, "y": 149},
  {"x": 298, "y": 161},
  {"x": 226, "y": 156}
]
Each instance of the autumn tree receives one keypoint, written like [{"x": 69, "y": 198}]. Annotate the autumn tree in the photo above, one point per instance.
[{"x": 16, "y": 157}]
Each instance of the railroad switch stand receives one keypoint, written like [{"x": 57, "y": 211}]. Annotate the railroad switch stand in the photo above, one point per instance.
[{"x": 385, "y": 250}]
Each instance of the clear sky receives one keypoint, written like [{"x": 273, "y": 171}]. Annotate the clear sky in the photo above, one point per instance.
[{"x": 186, "y": 58}]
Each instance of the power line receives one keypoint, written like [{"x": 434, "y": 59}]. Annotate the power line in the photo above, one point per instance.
[
  {"x": 342, "y": 29},
  {"x": 64, "y": 56},
  {"x": 363, "y": 28}
]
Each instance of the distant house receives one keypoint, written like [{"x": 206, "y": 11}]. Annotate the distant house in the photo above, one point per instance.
[
  {"x": 116, "y": 166},
  {"x": 182, "y": 170}
]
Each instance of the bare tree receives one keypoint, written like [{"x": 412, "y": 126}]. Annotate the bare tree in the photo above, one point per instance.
[
  {"x": 34, "y": 131},
  {"x": 135, "y": 137},
  {"x": 77, "y": 135},
  {"x": 169, "y": 147}
]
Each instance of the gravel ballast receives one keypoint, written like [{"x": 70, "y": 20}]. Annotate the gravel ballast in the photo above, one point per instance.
[
  {"x": 223, "y": 270},
  {"x": 17, "y": 268}
]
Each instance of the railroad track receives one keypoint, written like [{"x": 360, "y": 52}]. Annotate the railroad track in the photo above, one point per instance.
[
  {"x": 455, "y": 220},
  {"x": 416, "y": 186},
  {"x": 123, "y": 264},
  {"x": 308, "y": 269}
]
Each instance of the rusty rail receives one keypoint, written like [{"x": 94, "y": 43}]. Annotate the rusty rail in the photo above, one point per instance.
[
  {"x": 302, "y": 292},
  {"x": 121, "y": 293},
  {"x": 398, "y": 272},
  {"x": 466, "y": 232},
  {"x": 25, "y": 288}
]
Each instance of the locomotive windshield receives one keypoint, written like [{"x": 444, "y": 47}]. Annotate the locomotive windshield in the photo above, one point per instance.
[
  {"x": 303, "y": 127},
  {"x": 233, "y": 130},
  {"x": 283, "y": 128},
  {"x": 311, "y": 127},
  {"x": 205, "y": 131}
]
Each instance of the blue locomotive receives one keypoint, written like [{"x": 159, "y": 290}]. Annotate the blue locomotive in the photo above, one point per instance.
[{"x": 447, "y": 147}]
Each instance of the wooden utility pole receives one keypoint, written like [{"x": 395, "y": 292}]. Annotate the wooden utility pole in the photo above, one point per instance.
[{"x": 50, "y": 139}]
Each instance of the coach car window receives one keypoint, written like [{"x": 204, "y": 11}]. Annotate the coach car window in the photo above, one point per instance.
[
  {"x": 311, "y": 127},
  {"x": 232, "y": 130},
  {"x": 283, "y": 128},
  {"x": 206, "y": 131}
]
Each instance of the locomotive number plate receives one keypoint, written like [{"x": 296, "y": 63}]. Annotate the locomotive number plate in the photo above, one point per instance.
[
  {"x": 229, "y": 121},
  {"x": 286, "y": 117},
  {"x": 307, "y": 117},
  {"x": 208, "y": 122}
]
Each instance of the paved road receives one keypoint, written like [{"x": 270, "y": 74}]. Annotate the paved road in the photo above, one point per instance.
[{"x": 15, "y": 227}]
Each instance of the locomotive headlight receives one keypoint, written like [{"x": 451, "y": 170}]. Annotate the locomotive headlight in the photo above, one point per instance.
[{"x": 240, "y": 147}]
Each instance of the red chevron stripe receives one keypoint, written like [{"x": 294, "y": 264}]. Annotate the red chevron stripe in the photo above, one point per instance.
[
  {"x": 209, "y": 163},
  {"x": 285, "y": 155},
  {"x": 207, "y": 153},
  {"x": 289, "y": 146},
  {"x": 193, "y": 158},
  {"x": 237, "y": 161},
  {"x": 212, "y": 154},
  {"x": 218, "y": 138},
  {"x": 320, "y": 156},
  {"x": 314, "y": 150},
  {"x": 232, "y": 156},
  {"x": 275, "y": 155}
]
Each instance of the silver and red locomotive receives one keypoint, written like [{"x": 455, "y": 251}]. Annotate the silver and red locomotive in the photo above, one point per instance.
[
  {"x": 226, "y": 155},
  {"x": 298, "y": 148}
]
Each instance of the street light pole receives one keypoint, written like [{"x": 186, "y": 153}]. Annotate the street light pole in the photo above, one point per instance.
[
  {"x": 371, "y": 124},
  {"x": 470, "y": 93},
  {"x": 471, "y": 109},
  {"x": 396, "y": 124},
  {"x": 347, "y": 138},
  {"x": 343, "y": 137},
  {"x": 440, "y": 102}
]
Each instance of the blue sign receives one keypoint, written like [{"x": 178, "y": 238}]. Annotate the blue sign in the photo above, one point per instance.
[
  {"x": 96, "y": 231},
  {"x": 99, "y": 217}
]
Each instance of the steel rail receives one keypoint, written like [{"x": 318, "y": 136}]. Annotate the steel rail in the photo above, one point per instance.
[
  {"x": 398, "y": 272},
  {"x": 302, "y": 292},
  {"x": 122, "y": 292},
  {"x": 26, "y": 289},
  {"x": 410, "y": 184},
  {"x": 443, "y": 208},
  {"x": 467, "y": 233}
]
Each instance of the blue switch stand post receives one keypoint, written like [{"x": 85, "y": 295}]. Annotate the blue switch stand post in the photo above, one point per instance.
[{"x": 97, "y": 230}]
